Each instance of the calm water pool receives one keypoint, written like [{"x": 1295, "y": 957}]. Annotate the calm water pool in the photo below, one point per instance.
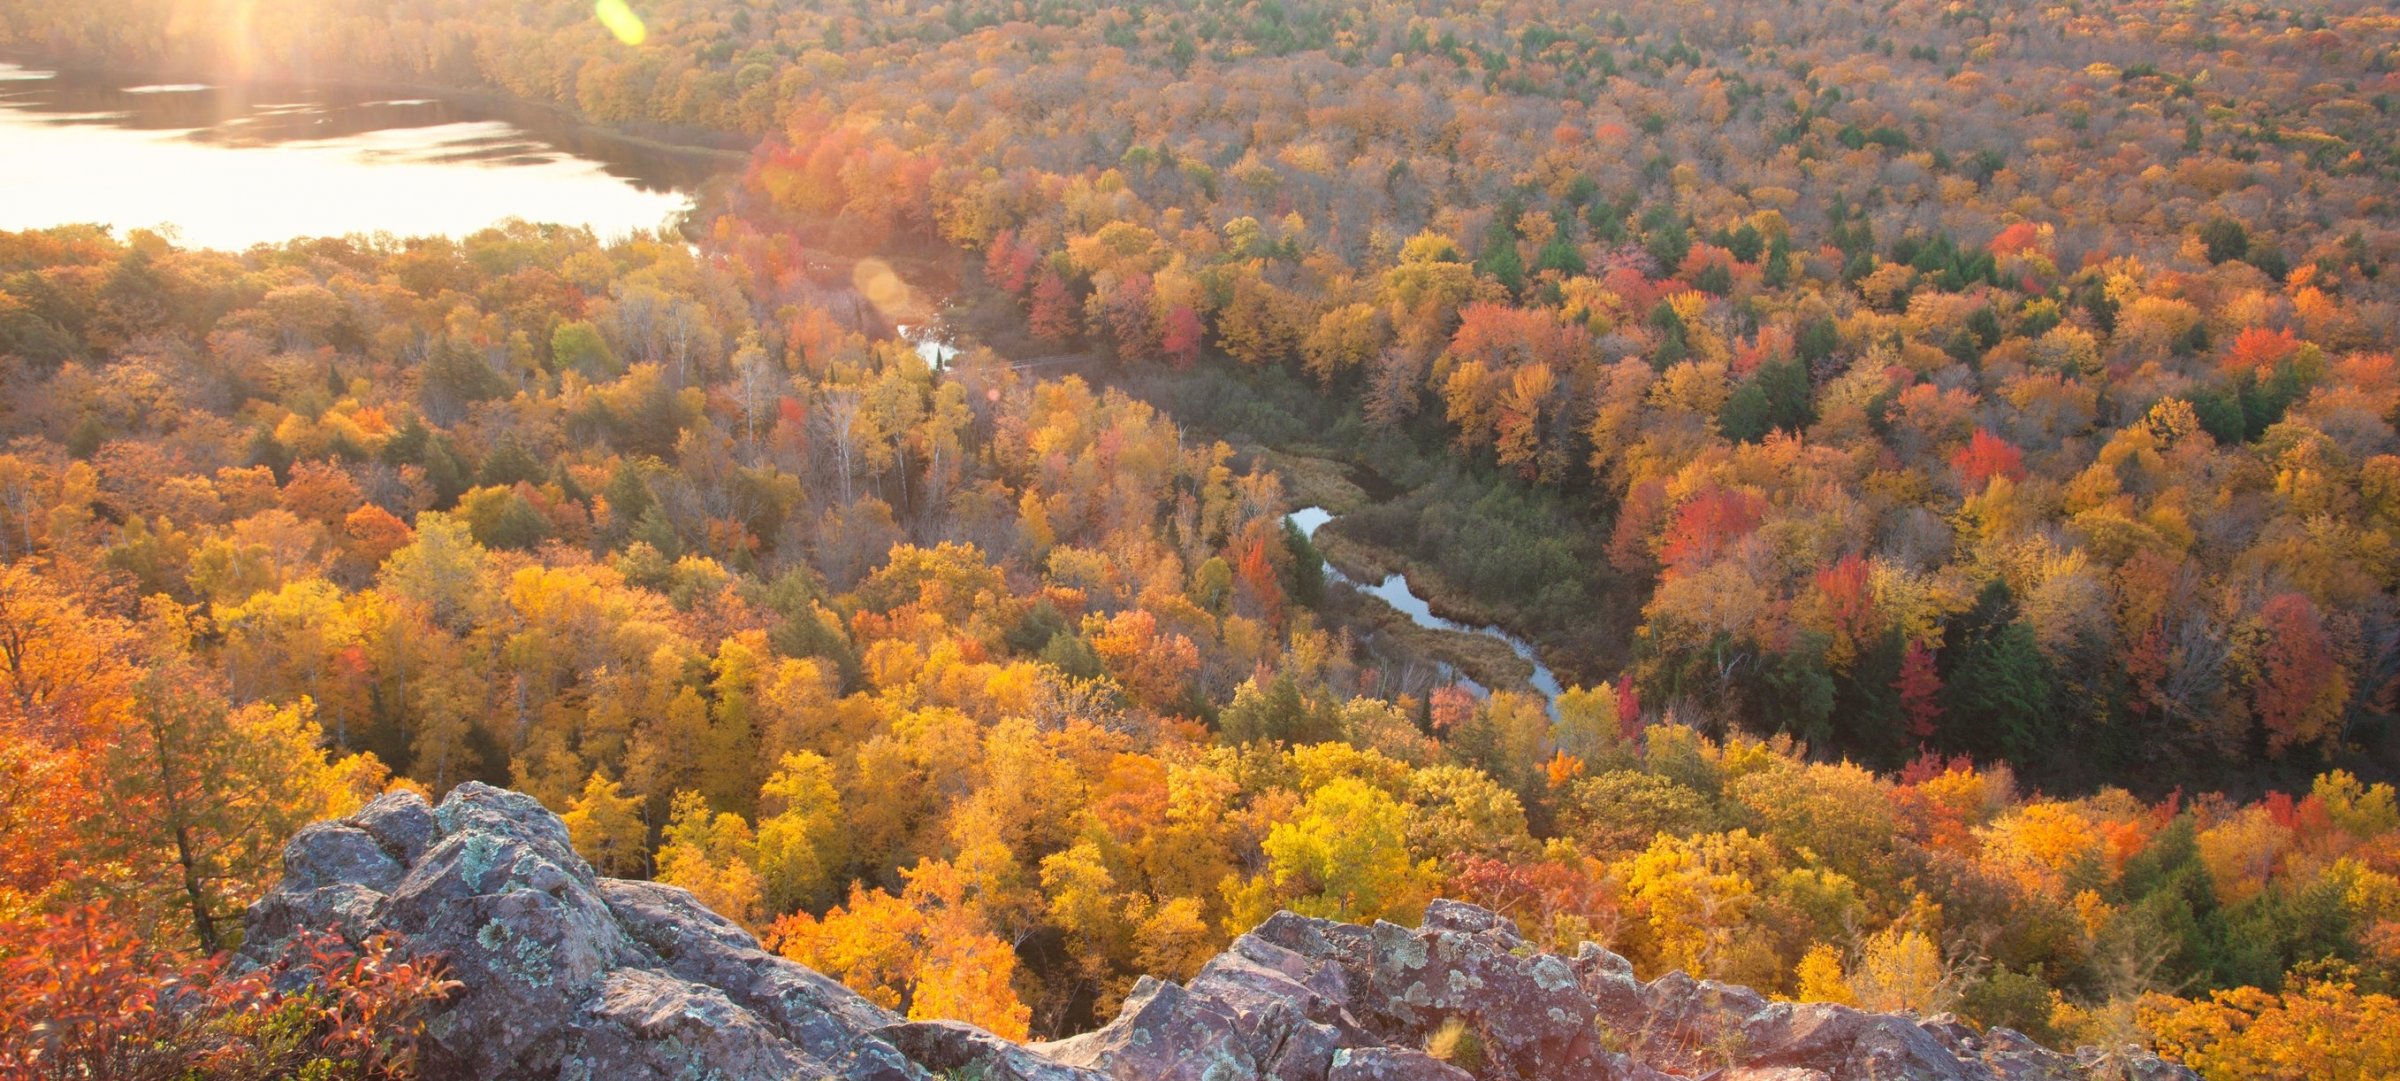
[{"x": 229, "y": 167}]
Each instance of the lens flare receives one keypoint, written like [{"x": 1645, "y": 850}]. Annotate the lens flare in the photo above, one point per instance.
[
  {"x": 882, "y": 288},
  {"x": 620, "y": 20}
]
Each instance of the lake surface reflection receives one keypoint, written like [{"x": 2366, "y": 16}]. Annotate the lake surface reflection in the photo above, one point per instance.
[{"x": 229, "y": 167}]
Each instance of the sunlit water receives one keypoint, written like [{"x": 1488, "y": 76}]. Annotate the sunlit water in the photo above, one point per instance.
[
  {"x": 225, "y": 168},
  {"x": 931, "y": 343},
  {"x": 1394, "y": 591}
]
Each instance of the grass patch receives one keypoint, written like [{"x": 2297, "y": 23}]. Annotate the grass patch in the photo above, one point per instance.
[{"x": 1309, "y": 480}]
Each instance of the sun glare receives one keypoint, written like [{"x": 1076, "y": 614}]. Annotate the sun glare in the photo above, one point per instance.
[
  {"x": 620, "y": 20},
  {"x": 882, "y": 288}
]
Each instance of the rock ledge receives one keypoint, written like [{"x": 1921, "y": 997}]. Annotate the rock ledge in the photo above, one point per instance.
[{"x": 570, "y": 975}]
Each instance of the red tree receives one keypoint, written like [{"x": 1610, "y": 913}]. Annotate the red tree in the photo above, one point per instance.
[
  {"x": 1848, "y": 600},
  {"x": 1986, "y": 456},
  {"x": 1052, "y": 317},
  {"x": 1180, "y": 337},
  {"x": 1919, "y": 687},
  {"x": 2297, "y": 673},
  {"x": 1629, "y": 711},
  {"x": 2023, "y": 236},
  {"x": 2260, "y": 350},
  {"x": 1707, "y": 524}
]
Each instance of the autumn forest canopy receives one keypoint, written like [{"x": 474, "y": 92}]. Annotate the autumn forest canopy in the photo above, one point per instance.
[{"x": 1947, "y": 453}]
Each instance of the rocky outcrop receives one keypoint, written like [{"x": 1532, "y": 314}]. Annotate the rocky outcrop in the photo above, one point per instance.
[{"x": 566, "y": 974}]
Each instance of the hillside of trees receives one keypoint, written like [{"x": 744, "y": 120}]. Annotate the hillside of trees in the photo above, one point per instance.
[
  {"x": 1963, "y": 402},
  {"x": 2046, "y": 347}
]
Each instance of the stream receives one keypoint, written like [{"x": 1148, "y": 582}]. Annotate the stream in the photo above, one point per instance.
[{"x": 1394, "y": 591}]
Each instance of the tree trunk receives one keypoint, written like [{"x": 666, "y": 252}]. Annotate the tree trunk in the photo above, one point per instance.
[{"x": 202, "y": 924}]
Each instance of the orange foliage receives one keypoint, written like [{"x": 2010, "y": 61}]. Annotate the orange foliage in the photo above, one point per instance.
[{"x": 2259, "y": 351}]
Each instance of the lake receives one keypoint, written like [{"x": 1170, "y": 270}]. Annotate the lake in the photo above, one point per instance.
[{"x": 228, "y": 167}]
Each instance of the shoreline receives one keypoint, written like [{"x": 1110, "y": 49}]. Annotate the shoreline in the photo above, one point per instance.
[{"x": 712, "y": 152}]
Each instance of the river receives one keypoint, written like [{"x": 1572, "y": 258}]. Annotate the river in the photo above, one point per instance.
[
  {"x": 1394, "y": 591},
  {"x": 229, "y": 167}
]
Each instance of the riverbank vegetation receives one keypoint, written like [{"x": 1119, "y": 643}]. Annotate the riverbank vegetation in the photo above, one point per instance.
[{"x": 1998, "y": 396}]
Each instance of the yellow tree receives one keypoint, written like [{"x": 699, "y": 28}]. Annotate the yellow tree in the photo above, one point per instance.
[
  {"x": 607, "y": 828},
  {"x": 1695, "y": 897},
  {"x": 1902, "y": 968},
  {"x": 803, "y": 841},
  {"x": 2323, "y": 1030},
  {"x": 1345, "y": 856},
  {"x": 712, "y": 856}
]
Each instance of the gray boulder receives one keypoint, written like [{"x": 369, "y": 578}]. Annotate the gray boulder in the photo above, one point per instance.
[
  {"x": 565, "y": 974},
  {"x": 1392, "y": 1064},
  {"x": 955, "y": 1047},
  {"x": 1163, "y": 1033},
  {"x": 562, "y": 973}
]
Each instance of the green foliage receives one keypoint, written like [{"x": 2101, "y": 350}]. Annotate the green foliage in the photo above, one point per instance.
[
  {"x": 2017, "y": 1000},
  {"x": 1307, "y": 583},
  {"x": 1278, "y": 713},
  {"x": 1666, "y": 237},
  {"x": 1776, "y": 397},
  {"x": 2225, "y": 239},
  {"x": 1997, "y": 688},
  {"x": 1502, "y": 541},
  {"x": 1072, "y": 655}
]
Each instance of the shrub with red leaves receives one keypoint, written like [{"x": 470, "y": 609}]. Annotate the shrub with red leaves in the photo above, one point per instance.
[{"x": 83, "y": 996}]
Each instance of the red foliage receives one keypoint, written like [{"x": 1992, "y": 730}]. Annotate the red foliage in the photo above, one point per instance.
[
  {"x": 2305, "y": 816},
  {"x": 2296, "y": 667},
  {"x": 1125, "y": 315},
  {"x": 1930, "y": 764},
  {"x": 1637, "y": 520},
  {"x": 1180, "y": 338},
  {"x": 1707, "y": 524},
  {"x": 1533, "y": 894},
  {"x": 1941, "y": 816},
  {"x": 2023, "y": 236},
  {"x": 1919, "y": 688},
  {"x": 1986, "y": 456},
  {"x": 1632, "y": 286},
  {"x": 1052, "y": 317},
  {"x": 1847, "y": 597},
  {"x": 1261, "y": 583},
  {"x": 2260, "y": 351},
  {"x": 1629, "y": 711},
  {"x": 1702, "y": 256},
  {"x": 1452, "y": 706},
  {"x": 82, "y": 995},
  {"x": 999, "y": 263},
  {"x": 1505, "y": 337}
]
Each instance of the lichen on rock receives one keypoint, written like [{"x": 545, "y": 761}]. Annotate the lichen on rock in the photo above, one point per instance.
[{"x": 565, "y": 974}]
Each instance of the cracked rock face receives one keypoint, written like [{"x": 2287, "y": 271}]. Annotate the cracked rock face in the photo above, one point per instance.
[{"x": 567, "y": 974}]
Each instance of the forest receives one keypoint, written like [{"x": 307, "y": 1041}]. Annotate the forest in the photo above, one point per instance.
[{"x": 1948, "y": 450}]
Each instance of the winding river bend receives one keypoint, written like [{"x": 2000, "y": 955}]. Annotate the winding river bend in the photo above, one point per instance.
[{"x": 1394, "y": 591}]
